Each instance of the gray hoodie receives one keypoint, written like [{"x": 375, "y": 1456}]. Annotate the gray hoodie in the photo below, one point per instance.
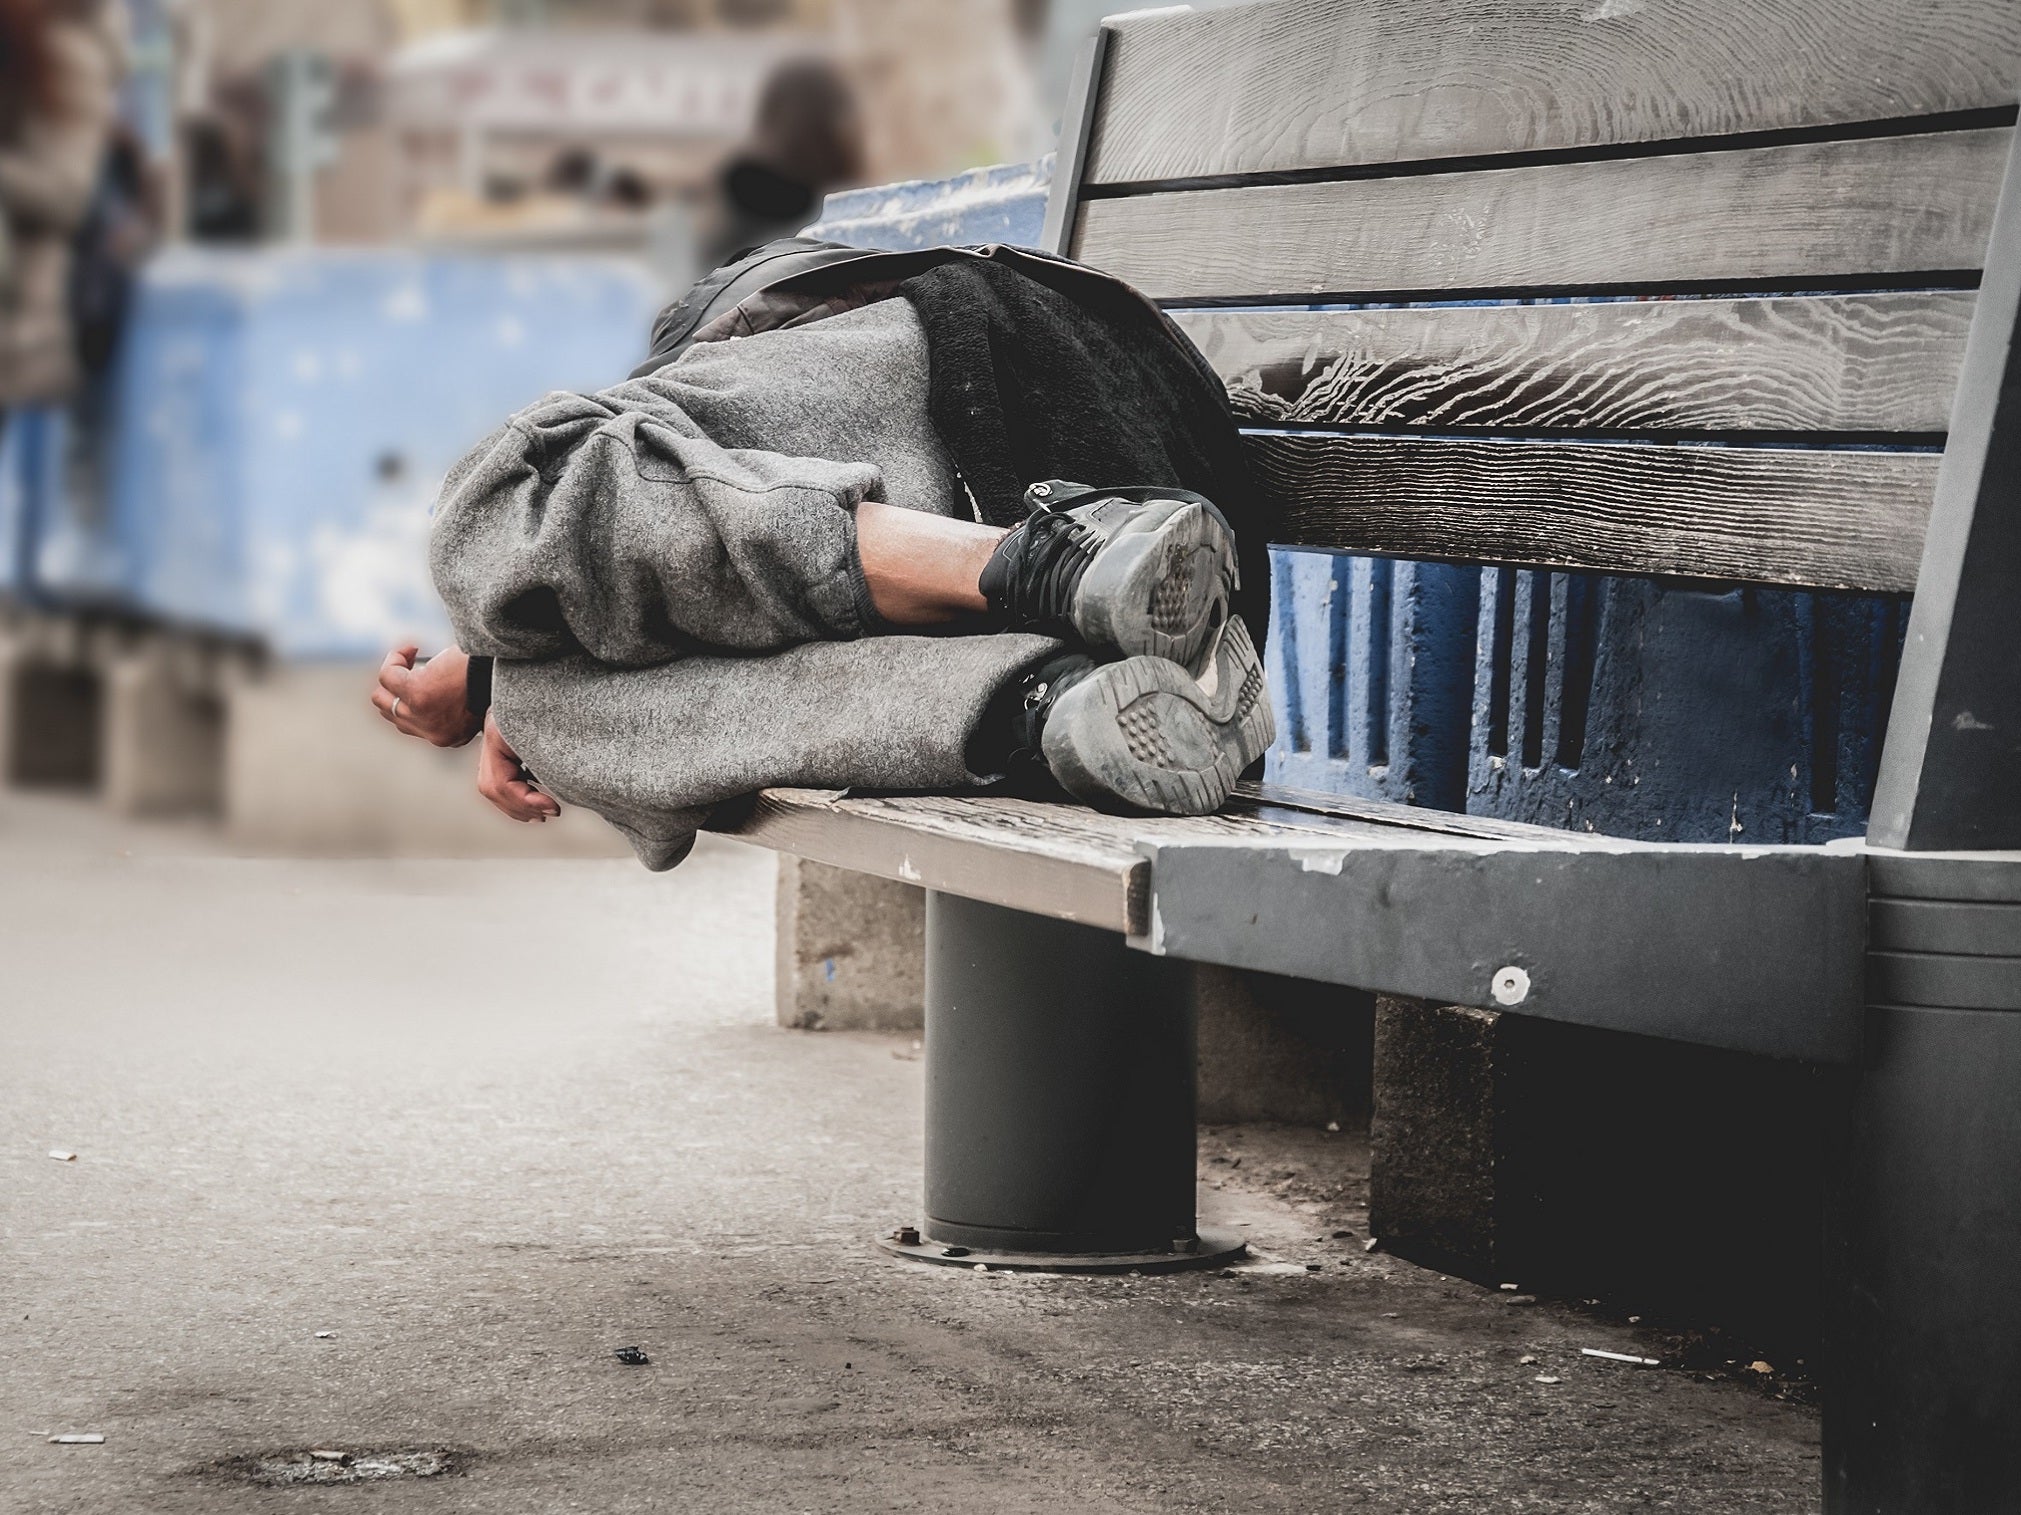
[{"x": 667, "y": 573}]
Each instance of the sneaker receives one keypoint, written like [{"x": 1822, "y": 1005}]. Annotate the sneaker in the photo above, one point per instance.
[
  {"x": 1145, "y": 733},
  {"x": 1139, "y": 571}
]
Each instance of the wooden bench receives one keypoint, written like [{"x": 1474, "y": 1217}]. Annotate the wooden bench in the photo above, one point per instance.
[{"x": 1784, "y": 356}]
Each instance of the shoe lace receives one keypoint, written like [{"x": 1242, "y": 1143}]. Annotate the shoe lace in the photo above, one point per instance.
[{"x": 1052, "y": 558}]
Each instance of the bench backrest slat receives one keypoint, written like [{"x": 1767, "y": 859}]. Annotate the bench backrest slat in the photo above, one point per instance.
[
  {"x": 1808, "y": 517},
  {"x": 1851, "y": 365},
  {"x": 1316, "y": 84},
  {"x": 1750, "y": 159},
  {"x": 1795, "y": 215}
]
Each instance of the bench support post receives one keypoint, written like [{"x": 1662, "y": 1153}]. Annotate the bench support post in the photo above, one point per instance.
[
  {"x": 1923, "y": 1348},
  {"x": 1059, "y": 1097}
]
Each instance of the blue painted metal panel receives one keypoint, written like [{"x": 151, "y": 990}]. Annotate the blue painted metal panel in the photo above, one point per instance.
[
  {"x": 1668, "y": 712},
  {"x": 1371, "y": 667},
  {"x": 287, "y": 418}
]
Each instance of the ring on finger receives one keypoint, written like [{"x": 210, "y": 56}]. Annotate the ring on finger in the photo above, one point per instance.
[{"x": 394, "y": 713}]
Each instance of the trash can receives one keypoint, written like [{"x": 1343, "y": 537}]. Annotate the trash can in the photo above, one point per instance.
[{"x": 288, "y": 416}]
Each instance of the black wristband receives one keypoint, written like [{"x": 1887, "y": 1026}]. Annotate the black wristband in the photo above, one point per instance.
[{"x": 477, "y": 686}]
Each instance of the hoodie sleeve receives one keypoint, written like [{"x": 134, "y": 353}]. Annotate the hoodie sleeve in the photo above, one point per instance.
[
  {"x": 608, "y": 525},
  {"x": 655, "y": 750}
]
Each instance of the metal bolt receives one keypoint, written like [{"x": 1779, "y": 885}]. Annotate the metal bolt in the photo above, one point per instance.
[
  {"x": 906, "y": 1236},
  {"x": 1187, "y": 1244},
  {"x": 1042, "y": 490},
  {"x": 1511, "y": 985}
]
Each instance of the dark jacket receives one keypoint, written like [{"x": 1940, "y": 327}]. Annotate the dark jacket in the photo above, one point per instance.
[{"x": 1041, "y": 369}]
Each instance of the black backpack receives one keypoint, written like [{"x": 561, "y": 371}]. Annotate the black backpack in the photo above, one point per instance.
[{"x": 777, "y": 284}]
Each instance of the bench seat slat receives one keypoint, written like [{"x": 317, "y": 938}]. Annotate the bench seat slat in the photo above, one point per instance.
[
  {"x": 1316, "y": 83},
  {"x": 1005, "y": 852},
  {"x": 1879, "y": 208},
  {"x": 1065, "y": 860},
  {"x": 1270, "y": 801},
  {"x": 1834, "y": 363},
  {"x": 1816, "y": 518}
]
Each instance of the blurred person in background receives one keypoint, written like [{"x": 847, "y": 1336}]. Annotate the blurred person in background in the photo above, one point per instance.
[
  {"x": 60, "y": 66},
  {"x": 808, "y": 140},
  {"x": 221, "y": 181},
  {"x": 579, "y": 175}
]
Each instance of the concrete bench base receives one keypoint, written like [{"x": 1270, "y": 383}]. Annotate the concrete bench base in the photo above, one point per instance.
[
  {"x": 98, "y": 703},
  {"x": 851, "y": 950},
  {"x": 163, "y": 732},
  {"x": 1672, "y": 1180}
]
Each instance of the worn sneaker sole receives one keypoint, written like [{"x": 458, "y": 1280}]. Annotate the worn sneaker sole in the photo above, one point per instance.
[
  {"x": 1161, "y": 586},
  {"x": 1148, "y": 734}
]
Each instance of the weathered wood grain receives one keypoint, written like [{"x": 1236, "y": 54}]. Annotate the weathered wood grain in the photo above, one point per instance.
[
  {"x": 1270, "y": 802},
  {"x": 1070, "y": 862},
  {"x": 1320, "y": 83},
  {"x": 1061, "y": 860},
  {"x": 1874, "y": 207},
  {"x": 1843, "y": 363},
  {"x": 1806, "y": 517},
  {"x": 1057, "y": 860}
]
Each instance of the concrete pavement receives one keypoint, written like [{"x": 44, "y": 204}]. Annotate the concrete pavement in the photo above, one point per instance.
[{"x": 486, "y": 1122}]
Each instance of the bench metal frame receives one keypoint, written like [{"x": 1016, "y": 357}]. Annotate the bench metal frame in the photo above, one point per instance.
[{"x": 1899, "y": 957}]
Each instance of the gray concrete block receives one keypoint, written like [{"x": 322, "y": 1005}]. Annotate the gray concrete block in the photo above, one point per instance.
[
  {"x": 1282, "y": 1049},
  {"x": 1676, "y": 1180},
  {"x": 1433, "y": 1136},
  {"x": 851, "y": 950},
  {"x": 163, "y": 734},
  {"x": 50, "y": 714}
]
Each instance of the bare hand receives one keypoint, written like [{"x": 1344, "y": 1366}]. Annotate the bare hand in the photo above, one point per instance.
[
  {"x": 432, "y": 701},
  {"x": 503, "y": 780}
]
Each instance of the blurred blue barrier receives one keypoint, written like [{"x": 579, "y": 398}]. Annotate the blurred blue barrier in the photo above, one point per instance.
[
  {"x": 284, "y": 420},
  {"x": 1005, "y": 204}
]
